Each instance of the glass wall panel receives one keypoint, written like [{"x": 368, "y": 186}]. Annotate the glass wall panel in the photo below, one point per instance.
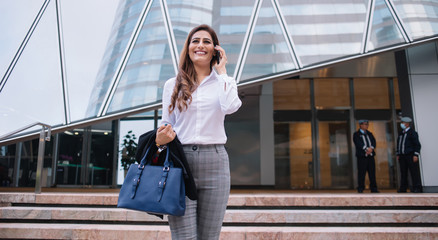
[
  {"x": 149, "y": 65},
  {"x": 243, "y": 144},
  {"x": 70, "y": 157},
  {"x": 137, "y": 128},
  {"x": 268, "y": 51},
  {"x": 419, "y": 17},
  {"x": 332, "y": 92},
  {"x": 384, "y": 31},
  {"x": 324, "y": 30},
  {"x": 229, "y": 18},
  {"x": 85, "y": 42},
  {"x": 101, "y": 158},
  {"x": 33, "y": 91},
  {"x": 7, "y": 160},
  {"x": 371, "y": 93},
  {"x": 292, "y": 94},
  {"x": 124, "y": 22},
  {"x": 22, "y": 18}
]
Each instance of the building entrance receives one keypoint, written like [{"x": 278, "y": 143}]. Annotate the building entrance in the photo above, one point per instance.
[{"x": 314, "y": 120}]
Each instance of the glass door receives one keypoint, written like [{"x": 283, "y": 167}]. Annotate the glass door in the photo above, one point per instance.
[{"x": 335, "y": 164}]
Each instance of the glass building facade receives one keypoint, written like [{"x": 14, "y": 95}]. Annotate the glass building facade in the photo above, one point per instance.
[{"x": 307, "y": 70}]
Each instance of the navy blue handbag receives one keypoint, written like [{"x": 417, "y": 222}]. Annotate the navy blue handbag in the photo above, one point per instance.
[{"x": 154, "y": 189}]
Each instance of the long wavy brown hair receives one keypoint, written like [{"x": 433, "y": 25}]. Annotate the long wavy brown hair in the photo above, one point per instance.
[{"x": 186, "y": 80}]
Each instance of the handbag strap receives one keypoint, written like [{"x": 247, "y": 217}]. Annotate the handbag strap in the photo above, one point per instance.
[{"x": 161, "y": 183}]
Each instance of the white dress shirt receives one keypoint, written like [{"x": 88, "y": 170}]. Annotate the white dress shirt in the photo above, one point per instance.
[{"x": 203, "y": 121}]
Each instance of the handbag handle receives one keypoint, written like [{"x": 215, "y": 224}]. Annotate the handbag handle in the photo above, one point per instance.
[{"x": 161, "y": 183}]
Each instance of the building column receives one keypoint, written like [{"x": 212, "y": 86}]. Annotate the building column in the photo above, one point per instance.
[{"x": 418, "y": 83}]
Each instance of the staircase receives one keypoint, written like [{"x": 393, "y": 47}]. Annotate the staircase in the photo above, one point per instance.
[{"x": 249, "y": 216}]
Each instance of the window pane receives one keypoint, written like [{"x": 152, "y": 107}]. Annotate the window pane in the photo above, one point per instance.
[
  {"x": 125, "y": 20},
  {"x": 371, "y": 93},
  {"x": 229, "y": 18},
  {"x": 324, "y": 30},
  {"x": 292, "y": 94},
  {"x": 85, "y": 40},
  {"x": 332, "y": 92},
  {"x": 384, "y": 31},
  {"x": 420, "y": 17},
  {"x": 268, "y": 52},
  {"x": 148, "y": 67},
  {"x": 13, "y": 34},
  {"x": 33, "y": 91}
]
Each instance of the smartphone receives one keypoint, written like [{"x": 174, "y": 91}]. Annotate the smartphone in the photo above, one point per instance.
[{"x": 217, "y": 57}]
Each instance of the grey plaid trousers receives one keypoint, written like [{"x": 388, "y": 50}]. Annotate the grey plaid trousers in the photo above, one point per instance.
[{"x": 203, "y": 218}]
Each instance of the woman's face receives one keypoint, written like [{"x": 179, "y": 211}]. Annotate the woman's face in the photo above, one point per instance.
[{"x": 201, "y": 48}]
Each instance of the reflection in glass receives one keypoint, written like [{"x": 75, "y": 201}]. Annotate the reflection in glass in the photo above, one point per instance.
[
  {"x": 371, "y": 93},
  {"x": 148, "y": 67},
  {"x": 384, "y": 31},
  {"x": 334, "y": 159},
  {"x": 332, "y": 92},
  {"x": 33, "y": 91},
  {"x": 268, "y": 52},
  {"x": 420, "y": 17},
  {"x": 84, "y": 43},
  {"x": 324, "y": 30},
  {"x": 229, "y": 18},
  {"x": 124, "y": 22},
  {"x": 13, "y": 34}
]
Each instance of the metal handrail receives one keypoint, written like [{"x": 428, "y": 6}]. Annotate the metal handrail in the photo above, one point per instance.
[{"x": 42, "y": 140}]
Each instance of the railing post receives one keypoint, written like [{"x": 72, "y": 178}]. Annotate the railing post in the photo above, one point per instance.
[{"x": 42, "y": 142}]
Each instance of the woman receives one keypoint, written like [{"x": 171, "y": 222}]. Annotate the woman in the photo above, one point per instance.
[{"x": 194, "y": 107}]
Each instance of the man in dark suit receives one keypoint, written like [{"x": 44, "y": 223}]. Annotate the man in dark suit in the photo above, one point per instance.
[
  {"x": 408, "y": 152},
  {"x": 365, "y": 144}
]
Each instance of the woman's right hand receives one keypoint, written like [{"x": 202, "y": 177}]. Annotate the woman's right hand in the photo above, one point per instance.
[{"x": 165, "y": 134}]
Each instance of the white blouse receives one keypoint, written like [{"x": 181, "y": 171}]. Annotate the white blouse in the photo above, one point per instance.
[{"x": 203, "y": 121}]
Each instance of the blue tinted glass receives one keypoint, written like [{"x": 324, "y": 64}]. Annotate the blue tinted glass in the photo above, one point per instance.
[
  {"x": 325, "y": 30},
  {"x": 149, "y": 65},
  {"x": 33, "y": 91},
  {"x": 229, "y": 18},
  {"x": 125, "y": 20},
  {"x": 268, "y": 52},
  {"x": 419, "y": 17},
  {"x": 384, "y": 31}
]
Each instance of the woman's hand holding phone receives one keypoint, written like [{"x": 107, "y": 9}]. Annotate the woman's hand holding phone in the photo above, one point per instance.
[{"x": 221, "y": 60}]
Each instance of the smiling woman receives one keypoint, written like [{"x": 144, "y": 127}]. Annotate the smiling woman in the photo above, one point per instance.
[{"x": 194, "y": 107}]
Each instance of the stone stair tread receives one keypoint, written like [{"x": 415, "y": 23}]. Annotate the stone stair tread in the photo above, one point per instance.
[
  {"x": 113, "y": 231},
  {"x": 238, "y": 199},
  {"x": 270, "y": 216}
]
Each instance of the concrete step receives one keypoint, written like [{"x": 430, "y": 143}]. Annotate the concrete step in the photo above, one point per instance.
[
  {"x": 158, "y": 232},
  {"x": 232, "y": 216}
]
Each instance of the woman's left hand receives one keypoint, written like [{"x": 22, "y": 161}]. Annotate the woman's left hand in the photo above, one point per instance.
[{"x": 220, "y": 68}]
